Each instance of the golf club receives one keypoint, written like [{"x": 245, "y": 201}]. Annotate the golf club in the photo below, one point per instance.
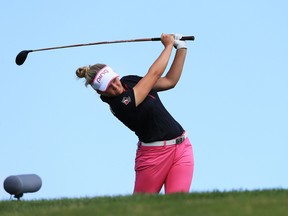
[{"x": 21, "y": 57}]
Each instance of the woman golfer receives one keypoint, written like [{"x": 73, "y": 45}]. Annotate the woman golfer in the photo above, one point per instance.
[{"x": 164, "y": 155}]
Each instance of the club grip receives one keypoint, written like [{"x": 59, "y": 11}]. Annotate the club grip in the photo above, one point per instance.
[
  {"x": 188, "y": 38},
  {"x": 183, "y": 38}
]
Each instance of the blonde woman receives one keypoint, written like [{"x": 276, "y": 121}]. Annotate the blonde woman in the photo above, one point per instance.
[{"x": 164, "y": 155}]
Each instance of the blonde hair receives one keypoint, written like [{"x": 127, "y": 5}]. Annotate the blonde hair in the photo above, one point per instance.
[{"x": 89, "y": 72}]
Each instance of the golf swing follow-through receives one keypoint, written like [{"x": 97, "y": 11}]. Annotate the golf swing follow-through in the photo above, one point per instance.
[{"x": 164, "y": 154}]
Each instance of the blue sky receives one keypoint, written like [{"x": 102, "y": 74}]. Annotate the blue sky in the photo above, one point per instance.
[{"x": 231, "y": 99}]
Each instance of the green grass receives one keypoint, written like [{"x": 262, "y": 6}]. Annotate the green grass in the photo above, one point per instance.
[{"x": 260, "y": 202}]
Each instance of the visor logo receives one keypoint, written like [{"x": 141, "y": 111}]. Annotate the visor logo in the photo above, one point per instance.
[{"x": 101, "y": 75}]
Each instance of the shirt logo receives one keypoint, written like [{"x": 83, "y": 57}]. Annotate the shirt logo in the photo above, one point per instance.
[{"x": 126, "y": 100}]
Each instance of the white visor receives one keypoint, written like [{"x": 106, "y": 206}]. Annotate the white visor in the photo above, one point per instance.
[{"x": 103, "y": 79}]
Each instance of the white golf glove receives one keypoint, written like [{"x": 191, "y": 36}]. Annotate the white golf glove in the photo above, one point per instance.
[{"x": 179, "y": 44}]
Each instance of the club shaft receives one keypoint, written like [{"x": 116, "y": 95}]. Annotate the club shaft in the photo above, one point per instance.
[{"x": 108, "y": 42}]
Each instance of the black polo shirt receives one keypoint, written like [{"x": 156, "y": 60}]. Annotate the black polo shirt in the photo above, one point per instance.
[{"x": 150, "y": 120}]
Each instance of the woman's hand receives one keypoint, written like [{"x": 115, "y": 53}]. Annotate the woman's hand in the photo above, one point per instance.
[{"x": 167, "y": 39}]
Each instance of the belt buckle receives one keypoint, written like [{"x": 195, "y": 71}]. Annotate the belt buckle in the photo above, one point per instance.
[{"x": 179, "y": 140}]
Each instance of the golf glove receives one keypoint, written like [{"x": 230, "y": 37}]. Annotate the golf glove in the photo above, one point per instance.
[{"x": 178, "y": 44}]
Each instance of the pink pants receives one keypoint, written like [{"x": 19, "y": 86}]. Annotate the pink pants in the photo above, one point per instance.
[{"x": 171, "y": 166}]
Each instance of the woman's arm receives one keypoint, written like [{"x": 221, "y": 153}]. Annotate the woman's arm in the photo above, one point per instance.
[
  {"x": 144, "y": 86},
  {"x": 173, "y": 75}
]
